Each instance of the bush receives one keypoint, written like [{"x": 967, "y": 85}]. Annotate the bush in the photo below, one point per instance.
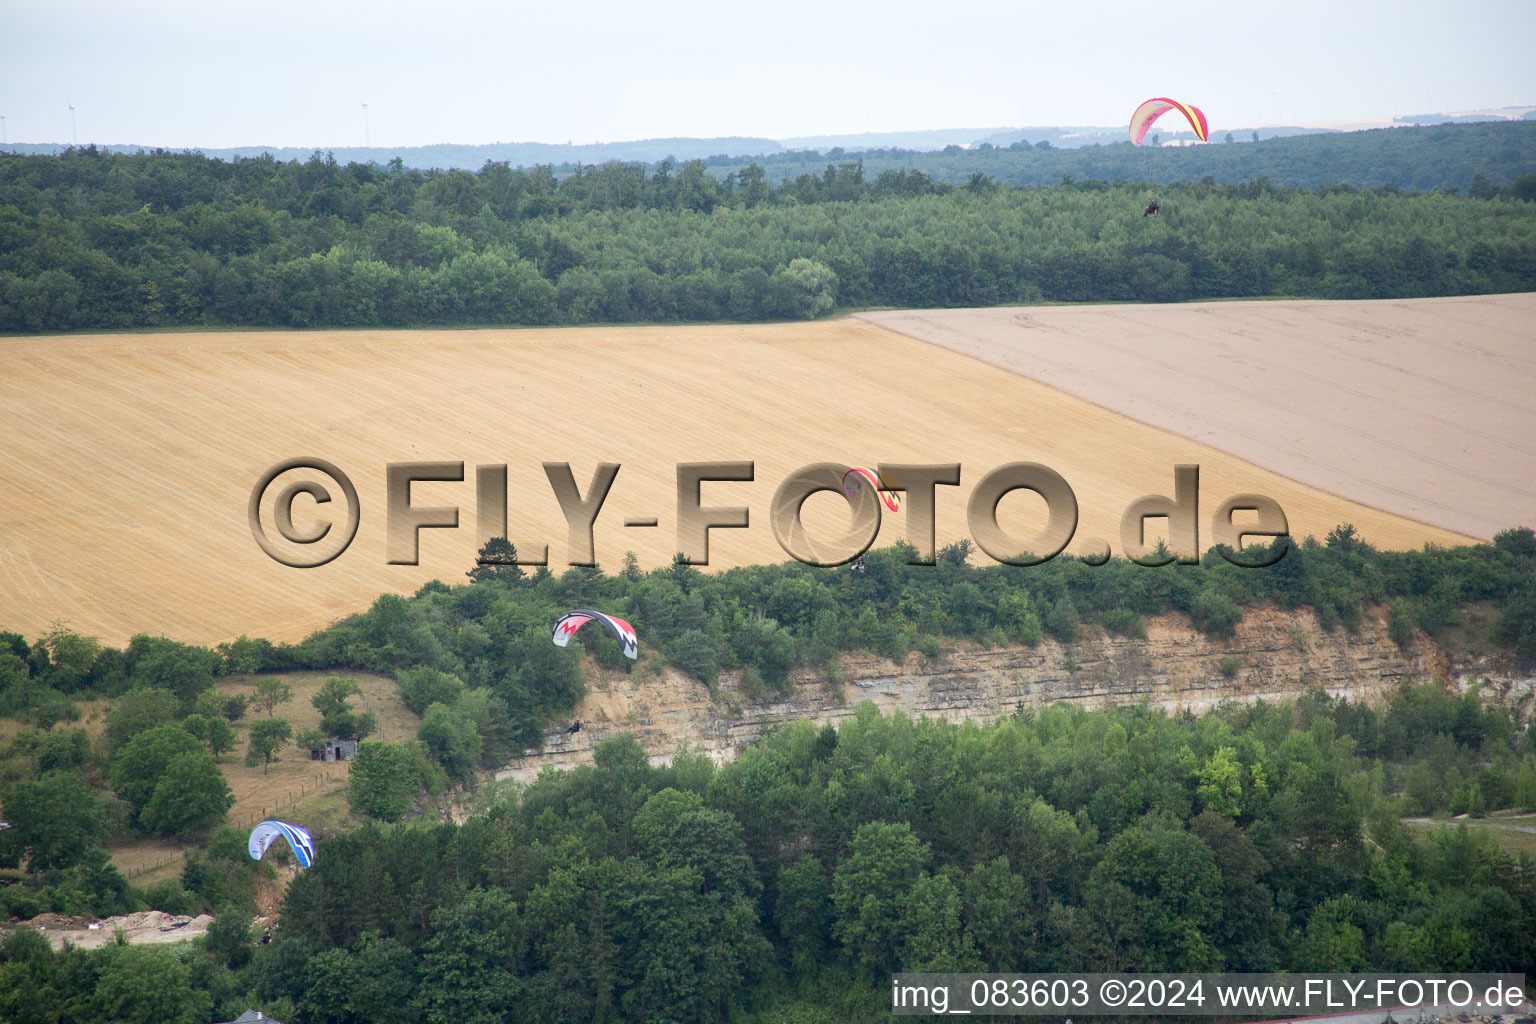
[
  {"x": 170, "y": 897},
  {"x": 1215, "y": 614},
  {"x": 235, "y": 707},
  {"x": 49, "y": 707},
  {"x": 229, "y": 936},
  {"x": 752, "y": 685},
  {"x": 95, "y": 888},
  {"x": 1124, "y": 622},
  {"x": 1230, "y": 665},
  {"x": 696, "y": 654},
  {"x": 139, "y": 711},
  {"x": 1400, "y": 624},
  {"x": 62, "y": 751},
  {"x": 1061, "y": 620},
  {"x": 421, "y": 687},
  {"x": 22, "y": 902},
  {"x": 1516, "y": 626}
]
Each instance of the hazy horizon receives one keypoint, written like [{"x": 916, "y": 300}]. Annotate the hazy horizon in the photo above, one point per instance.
[{"x": 174, "y": 74}]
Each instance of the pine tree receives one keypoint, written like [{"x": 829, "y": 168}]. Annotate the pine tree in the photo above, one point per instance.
[{"x": 497, "y": 561}]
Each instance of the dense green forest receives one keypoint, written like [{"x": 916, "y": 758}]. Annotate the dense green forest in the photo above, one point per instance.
[
  {"x": 786, "y": 886},
  {"x": 90, "y": 239}
]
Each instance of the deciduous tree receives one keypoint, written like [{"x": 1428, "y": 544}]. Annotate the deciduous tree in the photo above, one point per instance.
[
  {"x": 270, "y": 693},
  {"x": 266, "y": 737},
  {"x": 384, "y": 780},
  {"x": 190, "y": 798},
  {"x": 55, "y": 821}
]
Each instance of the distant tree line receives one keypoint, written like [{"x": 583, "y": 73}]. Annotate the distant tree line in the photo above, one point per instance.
[
  {"x": 1429, "y": 158},
  {"x": 96, "y": 240}
]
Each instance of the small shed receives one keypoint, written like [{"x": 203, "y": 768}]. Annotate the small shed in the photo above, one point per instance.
[
  {"x": 334, "y": 750},
  {"x": 254, "y": 1017}
]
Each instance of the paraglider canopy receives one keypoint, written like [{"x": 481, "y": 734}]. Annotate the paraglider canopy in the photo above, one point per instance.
[
  {"x": 1155, "y": 108},
  {"x": 859, "y": 475},
  {"x": 267, "y": 832},
  {"x": 622, "y": 631}
]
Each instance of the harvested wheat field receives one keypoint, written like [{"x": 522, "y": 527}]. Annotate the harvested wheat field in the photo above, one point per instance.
[
  {"x": 129, "y": 460},
  {"x": 1423, "y": 407}
]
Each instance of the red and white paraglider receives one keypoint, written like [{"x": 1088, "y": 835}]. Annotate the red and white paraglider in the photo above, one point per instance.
[
  {"x": 623, "y": 632},
  {"x": 1153, "y": 109},
  {"x": 858, "y": 476}
]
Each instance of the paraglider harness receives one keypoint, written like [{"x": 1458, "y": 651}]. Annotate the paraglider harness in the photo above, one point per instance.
[
  {"x": 575, "y": 727},
  {"x": 1151, "y": 210}
]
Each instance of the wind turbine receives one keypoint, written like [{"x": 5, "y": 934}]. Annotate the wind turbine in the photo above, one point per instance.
[
  {"x": 366, "y": 143},
  {"x": 4, "y": 141},
  {"x": 74, "y": 139}
]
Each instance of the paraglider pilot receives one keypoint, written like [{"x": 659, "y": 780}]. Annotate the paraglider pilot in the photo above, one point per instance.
[
  {"x": 575, "y": 727},
  {"x": 1151, "y": 210}
]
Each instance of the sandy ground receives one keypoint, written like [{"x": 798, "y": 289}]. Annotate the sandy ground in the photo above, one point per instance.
[
  {"x": 1425, "y": 408},
  {"x": 129, "y": 459},
  {"x": 145, "y": 926}
]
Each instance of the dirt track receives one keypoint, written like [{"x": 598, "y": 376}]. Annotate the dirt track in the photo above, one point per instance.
[
  {"x": 129, "y": 459},
  {"x": 145, "y": 926},
  {"x": 1425, "y": 407}
]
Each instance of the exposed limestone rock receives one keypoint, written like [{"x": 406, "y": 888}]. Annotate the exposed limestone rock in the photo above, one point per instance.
[{"x": 1276, "y": 656}]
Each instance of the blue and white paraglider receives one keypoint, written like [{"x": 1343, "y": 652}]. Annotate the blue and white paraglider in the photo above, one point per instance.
[{"x": 266, "y": 833}]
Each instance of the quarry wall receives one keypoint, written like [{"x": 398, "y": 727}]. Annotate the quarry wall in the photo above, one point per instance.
[{"x": 1274, "y": 655}]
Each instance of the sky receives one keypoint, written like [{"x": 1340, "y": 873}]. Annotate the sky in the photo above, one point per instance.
[{"x": 184, "y": 74}]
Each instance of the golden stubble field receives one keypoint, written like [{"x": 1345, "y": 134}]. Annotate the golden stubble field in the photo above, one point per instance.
[{"x": 128, "y": 460}]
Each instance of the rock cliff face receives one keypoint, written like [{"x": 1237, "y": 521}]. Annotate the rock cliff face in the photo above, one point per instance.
[{"x": 1274, "y": 655}]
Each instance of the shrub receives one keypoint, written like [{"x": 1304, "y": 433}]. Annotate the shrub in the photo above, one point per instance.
[
  {"x": 1400, "y": 623},
  {"x": 752, "y": 685},
  {"x": 1061, "y": 620},
  {"x": 1215, "y": 614},
  {"x": 1124, "y": 622},
  {"x": 170, "y": 897}
]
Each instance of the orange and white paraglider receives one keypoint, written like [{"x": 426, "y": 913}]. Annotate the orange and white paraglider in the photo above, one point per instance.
[
  {"x": 858, "y": 476},
  {"x": 1155, "y": 108}
]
